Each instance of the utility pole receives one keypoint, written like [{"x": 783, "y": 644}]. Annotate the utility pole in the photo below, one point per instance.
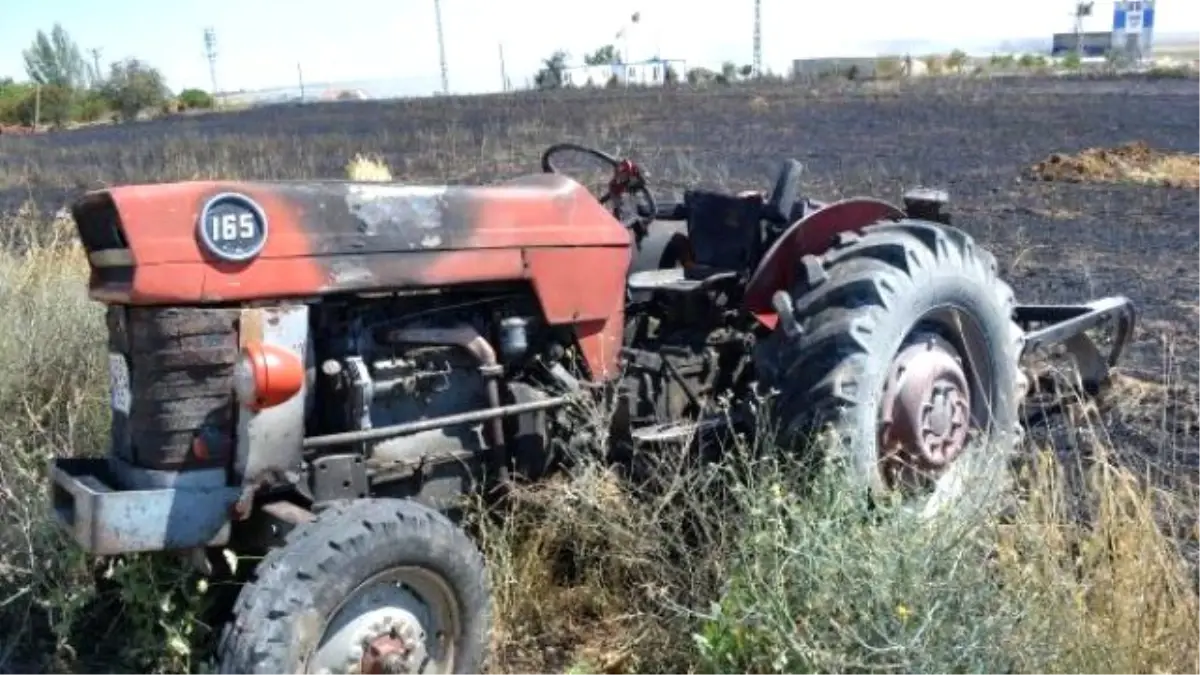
[
  {"x": 503, "y": 73},
  {"x": 437, "y": 11},
  {"x": 210, "y": 50},
  {"x": 1082, "y": 11},
  {"x": 757, "y": 38},
  {"x": 300, "y": 74},
  {"x": 96, "y": 74}
]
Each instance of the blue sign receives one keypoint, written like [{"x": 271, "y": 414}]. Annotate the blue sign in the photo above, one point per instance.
[{"x": 1133, "y": 16}]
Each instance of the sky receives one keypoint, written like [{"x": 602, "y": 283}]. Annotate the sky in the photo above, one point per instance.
[{"x": 263, "y": 43}]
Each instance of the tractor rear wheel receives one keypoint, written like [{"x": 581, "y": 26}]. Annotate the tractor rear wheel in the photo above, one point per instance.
[
  {"x": 903, "y": 346},
  {"x": 369, "y": 586}
]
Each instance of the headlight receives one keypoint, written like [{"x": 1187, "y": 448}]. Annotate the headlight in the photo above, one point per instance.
[{"x": 267, "y": 375}]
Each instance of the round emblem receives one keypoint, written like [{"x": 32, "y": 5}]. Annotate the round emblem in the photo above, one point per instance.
[{"x": 233, "y": 227}]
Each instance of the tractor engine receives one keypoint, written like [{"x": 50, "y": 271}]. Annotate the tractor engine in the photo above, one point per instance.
[{"x": 385, "y": 361}]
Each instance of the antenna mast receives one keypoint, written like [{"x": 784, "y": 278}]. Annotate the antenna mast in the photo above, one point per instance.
[
  {"x": 210, "y": 50},
  {"x": 503, "y": 72},
  {"x": 1082, "y": 11},
  {"x": 437, "y": 10},
  {"x": 757, "y": 38}
]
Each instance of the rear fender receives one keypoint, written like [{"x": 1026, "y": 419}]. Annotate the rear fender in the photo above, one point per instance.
[{"x": 809, "y": 235}]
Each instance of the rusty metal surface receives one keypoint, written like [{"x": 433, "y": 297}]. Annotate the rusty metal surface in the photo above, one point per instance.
[
  {"x": 926, "y": 410},
  {"x": 809, "y": 235},
  {"x": 331, "y": 237},
  {"x": 327, "y": 218},
  {"x": 105, "y": 520}
]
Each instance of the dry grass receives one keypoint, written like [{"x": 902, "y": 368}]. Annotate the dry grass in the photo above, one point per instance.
[
  {"x": 1133, "y": 162},
  {"x": 368, "y": 168},
  {"x": 720, "y": 568}
]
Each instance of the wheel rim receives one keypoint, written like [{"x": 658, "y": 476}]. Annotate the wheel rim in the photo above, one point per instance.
[
  {"x": 402, "y": 620},
  {"x": 937, "y": 392}
]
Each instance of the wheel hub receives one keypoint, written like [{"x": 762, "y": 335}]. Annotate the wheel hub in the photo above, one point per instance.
[
  {"x": 926, "y": 408},
  {"x": 400, "y": 649},
  {"x": 381, "y": 630}
]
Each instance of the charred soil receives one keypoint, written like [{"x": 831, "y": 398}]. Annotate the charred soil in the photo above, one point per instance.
[{"x": 1079, "y": 227}]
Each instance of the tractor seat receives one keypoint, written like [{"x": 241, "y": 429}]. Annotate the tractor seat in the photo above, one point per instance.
[{"x": 724, "y": 232}]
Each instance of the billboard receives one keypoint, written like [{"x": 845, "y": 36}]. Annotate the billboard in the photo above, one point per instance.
[
  {"x": 1133, "y": 26},
  {"x": 1133, "y": 17}
]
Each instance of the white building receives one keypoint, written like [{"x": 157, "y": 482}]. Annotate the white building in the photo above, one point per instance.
[{"x": 646, "y": 73}]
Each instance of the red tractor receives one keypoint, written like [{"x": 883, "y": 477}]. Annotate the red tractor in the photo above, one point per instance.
[{"x": 319, "y": 370}]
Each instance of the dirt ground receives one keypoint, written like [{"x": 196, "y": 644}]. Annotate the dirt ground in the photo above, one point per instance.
[{"x": 1057, "y": 240}]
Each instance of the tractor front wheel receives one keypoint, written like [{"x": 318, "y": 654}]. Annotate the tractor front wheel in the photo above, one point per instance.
[
  {"x": 369, "y": 586},
  {"x": 903, "y": 346}
]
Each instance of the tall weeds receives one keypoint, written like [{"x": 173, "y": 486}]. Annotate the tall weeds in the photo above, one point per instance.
[{"x": 719, "y": 567}]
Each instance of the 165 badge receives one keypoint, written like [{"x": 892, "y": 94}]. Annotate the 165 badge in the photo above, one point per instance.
[{"x": 232, "y": 227}]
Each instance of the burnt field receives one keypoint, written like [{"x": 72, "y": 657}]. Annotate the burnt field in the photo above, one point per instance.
[
  {"x": 1055, "y": 241},
  {"x": 1060, "y": 242}
]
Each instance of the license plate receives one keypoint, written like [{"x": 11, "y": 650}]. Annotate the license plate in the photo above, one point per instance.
[{"x": 118, "y": 383}]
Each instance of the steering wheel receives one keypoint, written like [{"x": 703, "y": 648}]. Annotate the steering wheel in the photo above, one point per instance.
[{"x": 627, "y": 179}]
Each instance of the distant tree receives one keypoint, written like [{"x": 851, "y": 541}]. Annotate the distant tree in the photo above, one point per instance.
[
  {"x": 12, "y": 98},
  {"x": 889, "y": 68},
  {"x": 55, "y": 60},
  {"x": 1072, "y": 60},
  {"x": 670, "y": 76},
  {"x": 134, "y": 86},
  {"x": 551, "y": 74},
  {"x": 700, "y": 76},
  {"x": 46, "y": 104},
  {"x": 729, "y": 71},
  {"x": 1002, "y": 61},
  {"x": 956, "y": 60},
  {"x": 195, "y": 99},
  {"x": 91, "y": 106},
  {"x": 603, "y": 56}
]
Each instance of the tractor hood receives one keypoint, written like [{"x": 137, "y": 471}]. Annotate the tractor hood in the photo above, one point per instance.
[
  {"x": 163, "y": 223},
  {"x": 208, "y": 239}
]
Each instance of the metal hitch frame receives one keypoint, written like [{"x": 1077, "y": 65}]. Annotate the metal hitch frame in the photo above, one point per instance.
[
  {"x": 110, "y": 508},
  {"x": 1045, "y": 325}
]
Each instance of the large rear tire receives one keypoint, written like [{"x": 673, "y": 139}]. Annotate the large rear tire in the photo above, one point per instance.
[
  {"x": 371, "y": 585},
  {"x": 908, "y": 355}
]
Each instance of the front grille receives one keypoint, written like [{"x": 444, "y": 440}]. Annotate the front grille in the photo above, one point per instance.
[
  {"x": 99, "y": 227},
  {"x": 180, "y": 385}
]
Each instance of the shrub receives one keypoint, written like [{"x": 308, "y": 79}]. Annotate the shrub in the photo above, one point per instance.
[{"x": 195, "y": 99}]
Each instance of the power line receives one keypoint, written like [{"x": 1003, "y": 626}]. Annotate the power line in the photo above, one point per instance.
[{"x": 437, "y": 10}]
